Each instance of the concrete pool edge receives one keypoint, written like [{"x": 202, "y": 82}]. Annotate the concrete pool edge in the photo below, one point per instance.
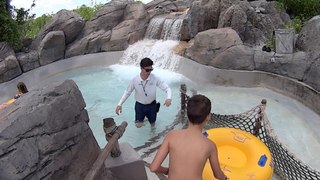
[
  {"x": 250, "y": 79},
  {"x": 191, "y": 69}
]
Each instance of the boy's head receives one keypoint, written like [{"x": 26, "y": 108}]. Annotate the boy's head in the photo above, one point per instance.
[
  {"x": 146, "y": 62},
  {"x": 198, "y": 108}
]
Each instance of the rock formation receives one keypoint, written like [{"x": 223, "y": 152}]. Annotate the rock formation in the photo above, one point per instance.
[{"x": 45, "y": 135}]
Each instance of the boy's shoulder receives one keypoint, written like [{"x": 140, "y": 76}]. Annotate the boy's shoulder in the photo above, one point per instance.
[{"x": 174, "y": 134}]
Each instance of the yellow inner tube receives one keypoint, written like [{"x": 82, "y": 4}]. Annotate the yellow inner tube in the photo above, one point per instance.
[
  {"x": 241, "y": 155},
  {"x": 6, "y": 103}
]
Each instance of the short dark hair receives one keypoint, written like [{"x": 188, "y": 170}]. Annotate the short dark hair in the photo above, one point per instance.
[
  {"x": 22, "y": 88},
  {"x": 145, "y": 62},
  {"x": 198, "y": 107}
]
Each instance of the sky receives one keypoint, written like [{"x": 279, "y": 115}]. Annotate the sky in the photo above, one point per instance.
[{"x": 53, "y": 6}]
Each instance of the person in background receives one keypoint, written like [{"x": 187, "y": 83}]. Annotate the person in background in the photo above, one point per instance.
[
  {"x": 145, "y": 85},
  {"x": 189, "y": 149},
  {"x": 22, "y": 89}
]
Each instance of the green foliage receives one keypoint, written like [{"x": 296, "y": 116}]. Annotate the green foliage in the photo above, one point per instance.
[
  {"x": 271, "y": 41},
  {"x": 13, "y": 24},
  {"x": 280, "y": 6},
  {"x": 87, "y": 12},
  {"x": 35, "y": 25},
  {"x": 295, "y": 23},
  {"x": 9, "y": 31},
  {"x": 302, "y": 9}
]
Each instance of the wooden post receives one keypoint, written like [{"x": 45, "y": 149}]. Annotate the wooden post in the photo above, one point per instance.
[
  {"x": 258, "y": 125},
  {"x": 109, "y": 127},
  {"x": 95, "y": 169}
]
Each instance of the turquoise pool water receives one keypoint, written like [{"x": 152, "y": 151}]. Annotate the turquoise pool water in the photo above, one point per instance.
[{"x": 102, "y": 87}]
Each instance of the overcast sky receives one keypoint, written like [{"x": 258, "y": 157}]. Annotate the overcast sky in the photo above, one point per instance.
[{"x": 53, "y": 6}]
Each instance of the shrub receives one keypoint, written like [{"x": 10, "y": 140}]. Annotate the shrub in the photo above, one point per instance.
[
  {"x": 87, "y": 12},
  {"x": 302, "y": 9},
  {"x": 295, "y": 23},
  {"x": 35, "y": 25}
]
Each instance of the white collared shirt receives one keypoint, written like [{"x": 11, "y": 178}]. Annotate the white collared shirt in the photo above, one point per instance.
[{"x": 145, "y": 90}]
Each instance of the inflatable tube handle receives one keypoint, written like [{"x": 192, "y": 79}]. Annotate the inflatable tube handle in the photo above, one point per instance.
[{"x": 263, "y": 160}]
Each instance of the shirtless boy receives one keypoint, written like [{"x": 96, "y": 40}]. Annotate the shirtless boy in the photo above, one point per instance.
[{"x": 189, "y": 149}]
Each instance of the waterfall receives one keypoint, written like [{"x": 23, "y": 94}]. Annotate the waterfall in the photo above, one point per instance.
[
  {"x": 154, "y": 28},
  {"x": 160, "y": 51},
  {"x": 171, "y": 29},
  {"x": 162, "y": 28}
]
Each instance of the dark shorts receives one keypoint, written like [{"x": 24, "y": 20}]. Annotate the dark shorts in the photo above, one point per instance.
[{"x": 146, "y": 110}]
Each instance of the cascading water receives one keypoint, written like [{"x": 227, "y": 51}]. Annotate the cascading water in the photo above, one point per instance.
[
  {"x": 154, "y": 29},
  {"x": 162, "y": 28},
  {"x": 160, "y": 51},
  {"x": 171, "y": 29}
]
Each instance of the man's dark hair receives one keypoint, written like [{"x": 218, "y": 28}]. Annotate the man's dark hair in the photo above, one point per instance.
[
  {"x": 145, "y": 62},
  {"x": 198, "y": 107}
]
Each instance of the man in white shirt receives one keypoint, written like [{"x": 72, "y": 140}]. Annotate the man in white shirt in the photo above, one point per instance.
[{"x": 145, "y": 85}]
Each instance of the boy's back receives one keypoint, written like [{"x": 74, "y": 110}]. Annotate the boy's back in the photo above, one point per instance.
[
  {"x": 189, "y": 163},
  {"x": 188, "y": 149}
]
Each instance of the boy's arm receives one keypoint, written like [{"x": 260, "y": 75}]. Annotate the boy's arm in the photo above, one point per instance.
[
  {"x": 160, "y": 156},
  {"x": 215, "y": 165}
]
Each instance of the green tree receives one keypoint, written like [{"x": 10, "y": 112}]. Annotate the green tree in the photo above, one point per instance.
[
  {"x": 13, "y": 23},
  {"x": 302, "y": 9},
  {"x": 35, "y": 25},
  {"x": 87, "y": 12}
]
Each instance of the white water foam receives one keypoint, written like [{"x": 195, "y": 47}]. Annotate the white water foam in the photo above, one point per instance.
[{"x": 160, "y": 51}]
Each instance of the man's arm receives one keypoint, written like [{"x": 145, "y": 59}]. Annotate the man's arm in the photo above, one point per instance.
[
  {"x": 124, "y": 97},
  {"x": 160, "y": 156},
  {"x": 163, "y": 86},
  {"x": 215, "y": 165}
]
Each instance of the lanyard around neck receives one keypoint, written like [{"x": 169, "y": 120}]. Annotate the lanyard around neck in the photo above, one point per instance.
[{"x": 144, "y": 87}]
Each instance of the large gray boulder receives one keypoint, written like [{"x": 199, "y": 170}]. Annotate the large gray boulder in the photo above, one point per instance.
[
  {"x": 238, "y": 57},
  {"x": 308, "y": 39},
  {"x": 130, "y": 30},
  {"x": 254, "y": 22},
  {"x": 312, "y": 76},
  {"x": 52, "y": 47},
  {"x": 203, "y": 15},
  {"x": 69, "y": 22},
  {"x": 117, "y": 25},
  {"x": 9, "y": 65},
  {"x": 45, "y": 135},
  {"x": 29, "y": 60},
  {"x": 210, "y": 43},
  {"x": 105, "y": 19},
  {"x": 92, "y": 43}
]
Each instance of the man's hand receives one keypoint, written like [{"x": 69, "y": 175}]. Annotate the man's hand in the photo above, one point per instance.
[
  {"x": 118, "y": 109},
  {"x": 167, "y": 102}
]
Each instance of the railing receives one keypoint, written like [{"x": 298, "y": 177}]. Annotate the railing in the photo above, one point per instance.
[{"x": 113, "y": 133}]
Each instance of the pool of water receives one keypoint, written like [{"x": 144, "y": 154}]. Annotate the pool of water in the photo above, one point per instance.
[{"x": 102, "y": 87}]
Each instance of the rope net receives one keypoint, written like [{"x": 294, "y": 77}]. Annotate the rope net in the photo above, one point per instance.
[{"x": 255, "y": 121}]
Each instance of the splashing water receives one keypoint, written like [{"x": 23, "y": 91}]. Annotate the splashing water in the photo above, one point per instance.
[{"x": 157, "y": 50}]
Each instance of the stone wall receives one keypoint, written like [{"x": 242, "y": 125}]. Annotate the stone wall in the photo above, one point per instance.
[{"x": 45, "y": 135}]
